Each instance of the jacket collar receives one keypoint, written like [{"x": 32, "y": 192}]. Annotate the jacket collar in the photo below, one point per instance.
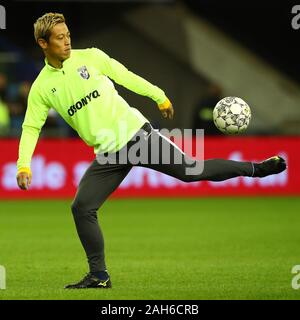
[{"x": 64, "y": 64}]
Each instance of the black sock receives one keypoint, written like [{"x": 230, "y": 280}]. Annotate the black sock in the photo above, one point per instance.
[
  {"x": 256, "y": 169},
  {"x": 103, "y": 275}
]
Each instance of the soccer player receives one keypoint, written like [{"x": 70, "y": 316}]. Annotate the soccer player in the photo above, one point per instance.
[{"x": 76, "y": 83}]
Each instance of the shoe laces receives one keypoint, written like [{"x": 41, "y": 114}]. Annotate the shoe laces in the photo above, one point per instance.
[{"x": 85, "y": 278}]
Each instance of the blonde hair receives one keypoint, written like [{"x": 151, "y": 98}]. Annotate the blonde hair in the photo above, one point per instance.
[{"x": 44, "y": 24}]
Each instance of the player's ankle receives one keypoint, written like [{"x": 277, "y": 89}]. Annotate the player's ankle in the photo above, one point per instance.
[
  {"x": 100, "y": 274},
  {"x": 256, "y": 169}
]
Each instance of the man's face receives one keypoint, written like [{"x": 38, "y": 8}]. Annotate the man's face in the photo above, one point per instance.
[{"x": 59, "y": 43}]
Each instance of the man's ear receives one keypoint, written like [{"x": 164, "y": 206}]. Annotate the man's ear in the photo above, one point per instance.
[{"x": 42, "y": 43}]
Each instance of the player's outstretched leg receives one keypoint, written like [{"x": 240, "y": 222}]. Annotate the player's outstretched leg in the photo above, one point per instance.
[{"x": 213, "y": 169}]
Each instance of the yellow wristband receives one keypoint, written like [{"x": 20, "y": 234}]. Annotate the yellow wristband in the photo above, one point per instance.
[
  {"x": 164, "y": 105},
  {"x": 25, "y": 170}
]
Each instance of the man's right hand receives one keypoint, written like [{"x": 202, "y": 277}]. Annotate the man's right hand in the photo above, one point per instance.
[{"x": 24, "y": 178}]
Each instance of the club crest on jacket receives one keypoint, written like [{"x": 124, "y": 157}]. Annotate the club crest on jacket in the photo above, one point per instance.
[{"x": 83, "y": 72}]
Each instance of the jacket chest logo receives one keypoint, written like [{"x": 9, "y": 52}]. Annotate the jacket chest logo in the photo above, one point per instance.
[{"x": 83, "y": 71}]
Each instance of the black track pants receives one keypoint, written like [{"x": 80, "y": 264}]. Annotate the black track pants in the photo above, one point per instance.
[{"x": 107, "y": 172}]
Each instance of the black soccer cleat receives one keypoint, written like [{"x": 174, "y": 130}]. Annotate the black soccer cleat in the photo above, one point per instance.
[
  {"x": 269, "y": 166},
  {"x": 91, "y": 281}
]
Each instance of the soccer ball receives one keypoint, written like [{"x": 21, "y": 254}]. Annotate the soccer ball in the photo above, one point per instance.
[{"x": 232, "y": 115}]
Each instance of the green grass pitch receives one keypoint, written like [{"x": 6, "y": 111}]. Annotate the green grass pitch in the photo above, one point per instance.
[{"x": 206, "y": 248}]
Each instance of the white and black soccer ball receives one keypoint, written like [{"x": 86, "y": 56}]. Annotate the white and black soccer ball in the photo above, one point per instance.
[{"x": 232, "y": 115}]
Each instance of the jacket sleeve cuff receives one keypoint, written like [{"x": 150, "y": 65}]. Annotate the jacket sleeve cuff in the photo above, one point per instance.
[
  {"x": 164, "y": 105},
  {"x": 25, "y": 170}
]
